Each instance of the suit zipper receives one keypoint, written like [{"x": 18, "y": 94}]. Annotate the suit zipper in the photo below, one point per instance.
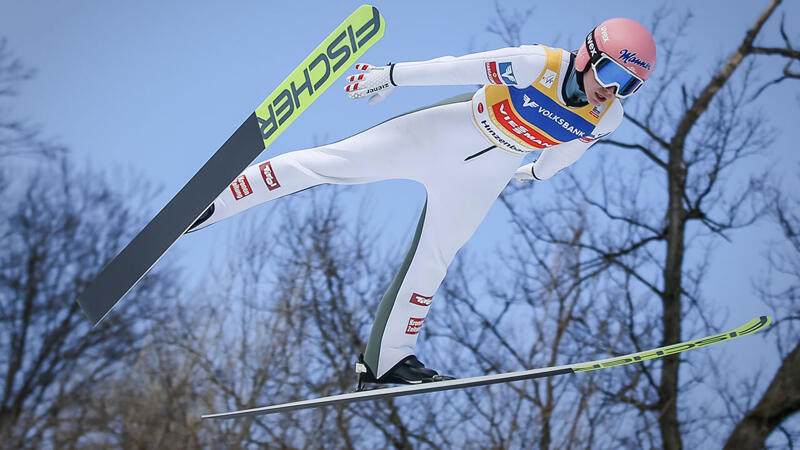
[{"x": 479, "y": 153}]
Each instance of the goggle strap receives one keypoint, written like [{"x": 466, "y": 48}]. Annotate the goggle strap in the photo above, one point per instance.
[{"x": 594, "y": 53}]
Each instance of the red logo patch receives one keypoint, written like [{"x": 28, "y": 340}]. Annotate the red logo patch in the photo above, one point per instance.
[
  {"x": 492, "y": 74},
  {"x": 421, "y": 300},
  {"x": 414, "y": 325},
  {"x": 480, "y": 108},
  {"x": 269, "y": 176},
  {"x": 241, "y": 187},
  {"x": 510, "y": 121}
]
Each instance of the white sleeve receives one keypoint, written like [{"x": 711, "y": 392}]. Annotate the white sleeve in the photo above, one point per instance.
[
  {"x": 521, "y": 66},
  {"x": 556, "y": 158},
  {"x": 610, "y": 120},
  {"x": 553, "y": 159}
]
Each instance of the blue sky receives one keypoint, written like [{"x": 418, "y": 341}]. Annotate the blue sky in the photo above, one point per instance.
[{"x": 154, "y": 88}]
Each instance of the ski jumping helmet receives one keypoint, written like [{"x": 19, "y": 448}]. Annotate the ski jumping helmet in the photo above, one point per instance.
[{"x": 621, "y": 53}]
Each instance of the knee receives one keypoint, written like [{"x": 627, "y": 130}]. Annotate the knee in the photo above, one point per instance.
[{"x": 317, "y": 162}]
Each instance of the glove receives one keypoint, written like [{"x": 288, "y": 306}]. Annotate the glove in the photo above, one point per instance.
[
  {"x": 375, "y": 80},
  {"x": 525, "y": 173}
]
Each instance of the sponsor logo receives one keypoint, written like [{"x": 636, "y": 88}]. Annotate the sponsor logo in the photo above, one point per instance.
[
  {"x": 492, "y": 74},
  {"x": 559, "y": 120},
  {"x": 273, "y": 115},
  {"x": 414, "y": 325},
  {"x": 631, "y": 58},
  {"x": 507, "y": 73},
  {"x": 604, "y": 33},
  {"x": 241, "y": 187},
  {"x": 548, "y": 79},
  {"x": 421, "y": 300},
  {"x": 508, "y": 120},
  {"x": 480, "y": 108},
  {"x": 269, "y": 176},
  {"x": 590, "y": 44},
  {"x": 547, "y": 115},
  {"x": 500, "y": 140},
  {"x": 526, "y": 101},
  {"x": 377, "y": 88},
  {"x": 597, "y": 110}
]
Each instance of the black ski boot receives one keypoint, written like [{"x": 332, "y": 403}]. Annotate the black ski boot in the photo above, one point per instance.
[
  {"x": 408, "y": 371},
  {"x": 203, "y": 217}
]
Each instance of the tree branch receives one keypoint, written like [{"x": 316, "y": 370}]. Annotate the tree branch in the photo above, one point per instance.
[{"x": 702, "y": 101}]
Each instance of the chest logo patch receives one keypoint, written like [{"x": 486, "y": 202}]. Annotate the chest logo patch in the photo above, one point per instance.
[
  {"x": 507, "y": 73},
  {"x": 526, "y": 102},
  {"x": 597, "y": 110},
  {"x": 492, "y": 74},
  {"x": 548, "y": 79}
]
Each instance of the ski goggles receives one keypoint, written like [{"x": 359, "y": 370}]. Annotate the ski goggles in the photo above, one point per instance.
[{"x": 609, "y": 73}]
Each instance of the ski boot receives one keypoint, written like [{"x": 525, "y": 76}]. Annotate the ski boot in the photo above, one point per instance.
[
  {"x": 408, "y": 371},
  {"x": 203, "y": 217}
]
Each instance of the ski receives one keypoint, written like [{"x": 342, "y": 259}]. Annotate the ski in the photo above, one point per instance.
[
  {"x": 750, "y": 327},
  {"x": 339, "y": 51}
]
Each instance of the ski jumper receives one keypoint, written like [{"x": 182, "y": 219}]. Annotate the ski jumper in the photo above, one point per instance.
[{"x": 464, "y": 151}]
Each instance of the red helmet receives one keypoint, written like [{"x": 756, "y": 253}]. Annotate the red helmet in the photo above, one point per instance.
[{"x": 625, "y": 41}]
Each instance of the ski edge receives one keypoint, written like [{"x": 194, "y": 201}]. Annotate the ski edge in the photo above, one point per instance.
[
  {"x": 91, "y": 300},
  {"x": 748, "y": 328}
]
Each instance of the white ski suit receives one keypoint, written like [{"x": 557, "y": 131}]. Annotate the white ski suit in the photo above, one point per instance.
[{"x": 464, "y": 151}]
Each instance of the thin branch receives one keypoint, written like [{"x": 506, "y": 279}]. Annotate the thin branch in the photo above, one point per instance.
[
  {"x": 639, "y": 147},
  {"x": 649, "y": 132}
]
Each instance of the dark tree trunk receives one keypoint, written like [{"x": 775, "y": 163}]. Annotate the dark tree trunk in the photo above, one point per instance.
[
  {"x": 781, "y": 400},
  {"x": 671, "y": 300},
  {"x": 676, "y": 217}
]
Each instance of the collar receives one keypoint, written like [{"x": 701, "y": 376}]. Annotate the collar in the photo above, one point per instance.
[{"x": 572, "y": 89}]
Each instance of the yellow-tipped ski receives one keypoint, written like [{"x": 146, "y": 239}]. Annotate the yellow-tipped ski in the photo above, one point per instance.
[
  {"x": 317, "y": 72},
  {"x": 750, "y": 327}
]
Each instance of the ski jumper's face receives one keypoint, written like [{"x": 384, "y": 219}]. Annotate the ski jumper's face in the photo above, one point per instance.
[{"x": 595, "y": 93}]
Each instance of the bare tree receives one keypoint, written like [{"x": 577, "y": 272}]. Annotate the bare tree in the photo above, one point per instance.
[
  {"x": 17, "y": 138},
  {"x": 57, "y": 236},
  {"x": 59, "y": 226},
  {"x": 525, "y": 319},
  {"x": 694, "y": 146},
  {"x": 284, "y": 319},
  {"x": 642, "y": 253},
  {"x": 781, "y": 399},
  {"x": 608, "y": 264}
]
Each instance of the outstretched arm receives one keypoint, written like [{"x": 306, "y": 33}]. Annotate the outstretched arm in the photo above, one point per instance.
[
  {"x": 521, "y": 66},
  {"x": 512, "y": 66}
]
